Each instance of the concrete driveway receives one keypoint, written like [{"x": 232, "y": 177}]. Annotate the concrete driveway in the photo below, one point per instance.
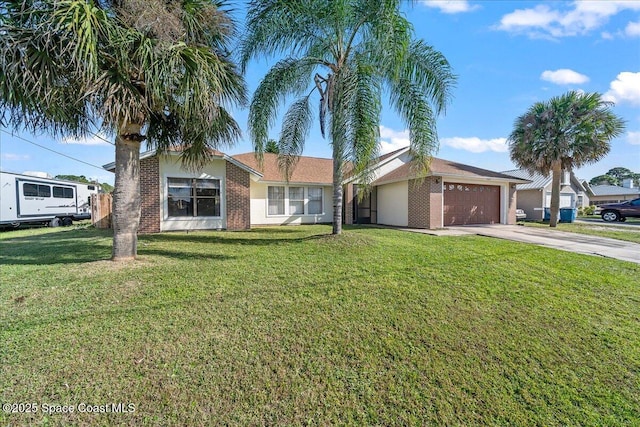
[{"x": 572, "y": 242}]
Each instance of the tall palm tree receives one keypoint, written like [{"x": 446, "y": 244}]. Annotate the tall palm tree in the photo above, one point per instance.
[
  {"x": 345, "y": 52},
  {"x": 565, "y": 132},
  {"x": 139, "y": 70}
]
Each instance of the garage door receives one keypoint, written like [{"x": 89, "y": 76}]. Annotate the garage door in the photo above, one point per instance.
[{"x": 471, "y": 204}]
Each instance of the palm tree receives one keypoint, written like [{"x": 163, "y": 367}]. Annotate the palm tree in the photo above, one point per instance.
[
  {"x": 346, "y": 52},
  {"x": 565, "y": 132},
  {"x": 139, "y": 70}
]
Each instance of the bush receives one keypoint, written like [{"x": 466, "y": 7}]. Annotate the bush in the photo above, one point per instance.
[{"x": 590, "y": 210}]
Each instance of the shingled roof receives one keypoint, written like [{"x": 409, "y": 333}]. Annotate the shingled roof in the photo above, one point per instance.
[
  {"x": 308, "y": 170},
  {"x": 444, "y": 168}
]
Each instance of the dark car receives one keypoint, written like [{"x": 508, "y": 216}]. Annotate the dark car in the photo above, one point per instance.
[{"x": 620, "y": 211}]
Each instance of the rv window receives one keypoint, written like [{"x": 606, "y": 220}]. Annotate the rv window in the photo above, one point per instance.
[
  {"x": 35, "y": 190},
  {"x": 63, "y": 192},
  {"x": 30, "y": 190},
  {"x": 91, "y": 187}
]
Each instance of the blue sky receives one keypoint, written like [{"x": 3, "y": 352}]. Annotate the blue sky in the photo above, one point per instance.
[{"x": 507, "y": 55}]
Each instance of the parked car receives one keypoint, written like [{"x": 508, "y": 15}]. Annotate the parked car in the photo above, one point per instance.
[
  {"x": 620, "y": 211},
  {"x": 521, "y": 215}
]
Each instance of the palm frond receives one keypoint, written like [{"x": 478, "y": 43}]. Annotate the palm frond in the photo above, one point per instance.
[
  {"x": 574, "y": 129},
  {"x": 287, "y": 77},
  {"x": 277, "y": 26},
  {"x": 413, "y": 106},
  {"x": 365, "y": 120},
  {"x": 295, "y": 129}
]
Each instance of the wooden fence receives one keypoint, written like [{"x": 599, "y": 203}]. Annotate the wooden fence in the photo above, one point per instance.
[{"x": 101, "y": 210}]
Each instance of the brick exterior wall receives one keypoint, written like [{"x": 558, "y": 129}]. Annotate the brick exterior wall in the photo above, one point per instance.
[
  {"x": 347, "y": 203},
  {"x": 425, "y": 203},
  {"x": 150, "y": 195},
  {"x": 238, "y": 198},
  {"x": 512, "y": 200}
]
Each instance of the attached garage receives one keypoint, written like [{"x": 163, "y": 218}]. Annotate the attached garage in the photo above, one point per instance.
[
  {"x": 465, "y": 204},
  {"x": 449, "y": 194}
]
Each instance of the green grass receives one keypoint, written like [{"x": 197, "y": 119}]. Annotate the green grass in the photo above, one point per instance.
[
  {"x": 291, "y": 326},
  {"x": 628, "y": 234}
]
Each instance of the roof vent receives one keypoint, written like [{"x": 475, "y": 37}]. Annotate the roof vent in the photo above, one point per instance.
[{"x": 627, "y": 183}]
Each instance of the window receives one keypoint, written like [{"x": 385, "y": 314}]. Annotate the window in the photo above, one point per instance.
[
  {"x": 91, "y": 187},
  {"x": 296, "y": 200},
  {"x": 315, "y": 200},
  {"x": 207, "y": 197},
  {"x": 35, "y": 190},
  {"x": 63, "y": 192},
  {"x": 276, "y": 200},
  {"x": 193, "y": 197}
]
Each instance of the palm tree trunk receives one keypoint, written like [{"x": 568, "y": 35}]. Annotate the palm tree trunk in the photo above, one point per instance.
[
  {"x": 337, "y": 194},
  {"x": 555, "y": 194},
  {"x": 126, "y": 194}
]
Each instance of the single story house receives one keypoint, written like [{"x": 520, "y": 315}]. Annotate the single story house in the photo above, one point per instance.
[
  {"x": 603, "y": 194},
  {"x": 236, "y": 192},
  {"x": 535, "y": 196}
]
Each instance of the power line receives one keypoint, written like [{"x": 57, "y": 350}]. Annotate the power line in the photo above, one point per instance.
[{"x": 53, "y": 151}]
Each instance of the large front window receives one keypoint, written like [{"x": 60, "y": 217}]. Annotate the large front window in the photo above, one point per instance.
[{"x": 193, "y": 197}]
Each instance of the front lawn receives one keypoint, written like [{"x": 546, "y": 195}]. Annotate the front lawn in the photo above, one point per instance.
[
  {"x": 613, "y": 231},
  {"x": 290, "y": 325}
]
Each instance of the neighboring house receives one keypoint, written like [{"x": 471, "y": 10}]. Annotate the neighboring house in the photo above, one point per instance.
[
  {"x": 602, "y": 194},
  {"x": 450, "y": 194},
  {"x": 536, "y": 195},
  {"x": 235, "y": 193}
]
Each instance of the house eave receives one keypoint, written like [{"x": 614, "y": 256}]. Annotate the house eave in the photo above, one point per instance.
[{"x": 147, "y": 154}]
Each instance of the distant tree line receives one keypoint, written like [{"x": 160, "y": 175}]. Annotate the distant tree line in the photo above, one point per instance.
[
  {"x": 106, "y": 187},
  {"x": 615, "y": 176}
]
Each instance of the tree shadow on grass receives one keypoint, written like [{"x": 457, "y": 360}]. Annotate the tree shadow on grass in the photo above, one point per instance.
[
  {"x": 60, "y": 247},
  {"x": 229, "y": 238},
  {"x": 89, "y": 244}
]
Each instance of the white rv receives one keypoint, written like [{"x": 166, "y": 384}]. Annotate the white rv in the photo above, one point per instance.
[{"x": 28, "y": 199}]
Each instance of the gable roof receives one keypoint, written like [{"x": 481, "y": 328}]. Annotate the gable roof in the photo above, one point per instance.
[
  {"x": 308, "y": 170},
  {"x": 445, "y": 168},
  {"x": 613, "y": 190},
  {"x": 539, "y": 181}
]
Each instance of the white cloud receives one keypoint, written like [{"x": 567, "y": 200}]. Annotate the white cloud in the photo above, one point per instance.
[
  {"x": 632, "y": 29},
  {"x": 391, "y": 140},
  {"x": 98, "y": 139},
  {"x": 606, "y": 35},
  {"x": 564, "y": 76},
  {"x": 450, "y": 6},
  {"x": 582, "y": 18},
  {"x": 477, "y": 145},
  {"x": 633, "y": 138},
  {"x": 14, "y": 157},
  {"x": 625, "y": 88}
]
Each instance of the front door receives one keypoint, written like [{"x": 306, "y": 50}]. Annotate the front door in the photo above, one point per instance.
[{"x": 364, "y": 211}]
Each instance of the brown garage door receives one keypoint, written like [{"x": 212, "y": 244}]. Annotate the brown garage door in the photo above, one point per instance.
[{"x": 471, "y": 204}]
